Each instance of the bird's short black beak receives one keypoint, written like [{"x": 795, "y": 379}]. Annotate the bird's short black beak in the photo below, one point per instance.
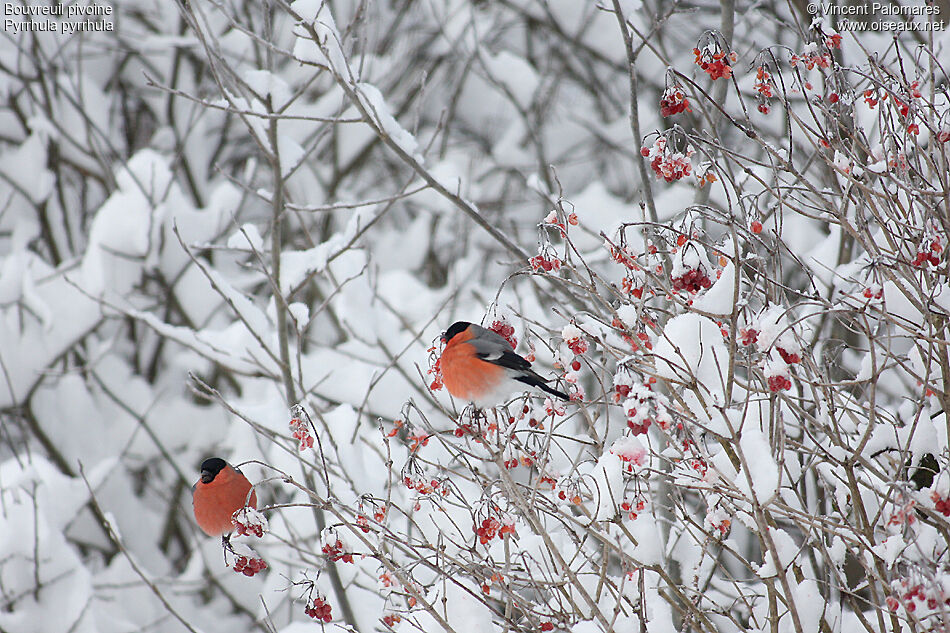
[{"x": 207, "y": 476}]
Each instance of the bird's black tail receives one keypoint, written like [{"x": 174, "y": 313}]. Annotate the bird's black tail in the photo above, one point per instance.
[
  {"x": 555, "y": 392},
  {"x": 536, "y": 381}
]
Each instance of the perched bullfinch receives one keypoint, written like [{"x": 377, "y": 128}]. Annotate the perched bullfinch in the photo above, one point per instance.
[
  {"x": 221, "y": 491},
  {"x": 479, "y": 366}
]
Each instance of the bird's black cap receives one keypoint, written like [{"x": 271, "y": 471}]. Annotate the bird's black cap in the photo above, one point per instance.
[
  {"x": 455, "y": 328},
  {"x": 210, "y": 468}
]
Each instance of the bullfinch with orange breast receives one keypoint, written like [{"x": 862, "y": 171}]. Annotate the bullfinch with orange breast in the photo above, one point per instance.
[
  {"x": 221, "y": 491},
  {"x": 479, "y": 366}
]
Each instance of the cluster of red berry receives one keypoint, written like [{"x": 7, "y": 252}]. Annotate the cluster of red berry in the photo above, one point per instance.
[
  {"x": 302, "y": 433},
  {"x": 872, "y": 97},
  {"x": 699, "y": 465},
  {"x": 693, "y": 280},
  {"x": 505, "y": 330},
  {"x": 547, "y": 264},
  {"x": 492, "y": 527},
  {"x": 577, "y": 344},
  {"x": 334, "y": 551},
  {"x": 778, "y": 374},
  {"x": 941, "y": 504},
  {"x": 763, "y": 82},
  {"x": 640, "y": 405},
  {"x": 638, "y": 428},
  {"x": 318, "y": 609},
  {"x": 623, "y": 384},
  {"x": 706, "y": 174},
  {"x": 391, "y": 619},
  {"x": 929, "y": 252},
  {"x": 362, "y": 521},
  {"x": 902, "y": 108},
  {"x": 417, "y": 440},
  {"x": 717, "y": 521},
  {"x": 569, "y": 490},
  {"x": 666, "y": 164},
  {"x": 673, "y": 101},
  {"x": 424, "y": 486},
  {"x": 715, "y": 62},
  {"x": 638, "y": 420},
  {"x": 631, "y": 286},
  {"x": 632, "y": 508},
  {"x": 553, "y": 408},
  {"x": 622, "y": 255},
  {"x": 723, "y": 526},
  {"x": 789, "y": 357},
  {"x": 436, "y": 370},
  {"x": 526, "y": 460},
  {"x": 909, "y": 595},
  {"x": 905, "y": 514},
  {"x": 248, "y": 521},
  {"x": 397, "y": 425},
  {"x": 547, "y": 626},
  {"x": 763, "y": 86},
  {"x": 779, "y": 383},
  {"x": 748, "y": 336},
  {"x": 553, "y": 220},
  {"x": 811, "y": 59},
  {"x": 249, "y": 566}
]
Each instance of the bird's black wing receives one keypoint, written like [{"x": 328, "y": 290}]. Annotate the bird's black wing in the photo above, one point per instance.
[
  {"x": 506, "y": 358},
  {"x": 493, "y": 348},
  {"x": 525, "y": 375}
]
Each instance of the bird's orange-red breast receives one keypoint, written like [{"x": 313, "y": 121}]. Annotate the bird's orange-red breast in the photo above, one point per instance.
[
  {"x": 478, "y": 365},
  {"x": 219, "y": 493}
]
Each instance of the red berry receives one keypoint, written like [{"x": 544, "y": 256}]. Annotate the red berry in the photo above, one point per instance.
[
  {"x": 788, "y": 357},
  {"x": 779, "y": 383}
]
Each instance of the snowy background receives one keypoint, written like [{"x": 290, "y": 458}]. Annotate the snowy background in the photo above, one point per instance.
[{"x": 721, "y": 226}]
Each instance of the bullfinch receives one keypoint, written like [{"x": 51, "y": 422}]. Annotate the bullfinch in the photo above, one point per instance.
[
  {"x": 221, "y": 491},
  {"x": 479, "y": 366}
]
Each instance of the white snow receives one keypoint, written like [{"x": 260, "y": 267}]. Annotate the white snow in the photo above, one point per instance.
[
  {"x": 719, "y": 299},
  {"x": 375, "y": 103},
  {"x": 514, "y": 73},
  {"x": 762, "y": 468},
  {"x": 691, "y": 349},
  {"x": 608, "y": 485},
  {"x": 890, "y": 549},
  {"x": 247, "y": 237}
]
